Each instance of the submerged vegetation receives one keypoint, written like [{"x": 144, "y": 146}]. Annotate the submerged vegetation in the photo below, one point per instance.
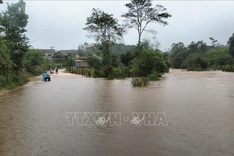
[{"x": 138, "y": 82}]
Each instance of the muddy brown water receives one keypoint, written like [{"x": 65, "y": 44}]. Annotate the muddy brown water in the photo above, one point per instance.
[{"x": 198, "y": 106}]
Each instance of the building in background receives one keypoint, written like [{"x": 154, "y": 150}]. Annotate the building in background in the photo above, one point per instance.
[
  {"x": 47, "y": 52},
  {"x": 81, "y": 64}
]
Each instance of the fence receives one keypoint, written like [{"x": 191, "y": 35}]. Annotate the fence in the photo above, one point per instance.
[{"x": 88, "y": 72}]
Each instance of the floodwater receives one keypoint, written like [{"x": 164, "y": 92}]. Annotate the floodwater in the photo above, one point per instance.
[{"x": 198, "y": 116}]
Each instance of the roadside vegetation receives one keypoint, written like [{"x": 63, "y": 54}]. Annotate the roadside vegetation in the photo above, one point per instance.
[{"x": 18, "y": 60}]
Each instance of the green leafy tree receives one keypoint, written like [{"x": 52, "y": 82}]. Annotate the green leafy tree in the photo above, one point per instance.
[
  {"x": 178, "y": 55},
  {"x": 199, "y": 47},
  {"x": 106, "y": 30},
  {"x": 141, "y": 13},
  {"x": 70, "y": 61},
  {"x": 231, "y": 45},
  {"x": 214, "y": 57},
  {"x": 13, "y": 27},
  {"x": 214, "y": 43},
  {"x": 35, "y": 56},
  {"x": 196, "y": 62},
  {"x": 33, "y": 61},
  {"x": 166, "y": 56},
  {"x": 127, "y": 58},
  {"x": 94, "y": 61},
  {"x": 148, "y": 61},
  {"x": 120, "y": 48}
]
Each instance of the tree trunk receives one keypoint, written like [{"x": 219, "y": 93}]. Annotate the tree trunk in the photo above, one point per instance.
[
  {"x": 138, "y": 44},
  {"x": 107, "y": 58}
]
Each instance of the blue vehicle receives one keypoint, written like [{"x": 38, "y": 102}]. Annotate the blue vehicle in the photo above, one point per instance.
[{"x": 45, "y": 76}]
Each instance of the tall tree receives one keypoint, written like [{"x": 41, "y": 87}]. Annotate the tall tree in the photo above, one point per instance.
[
  {"x": 13, "y": 24},
  {"x": 231, "y": 45},
  {"x": 199, "y": 47},
  {"x": 141, "y": 13},
  {"x": 106, "y": 30},
  {"x": 178, "y": 54},
  {"x": 214, "y": 43}
]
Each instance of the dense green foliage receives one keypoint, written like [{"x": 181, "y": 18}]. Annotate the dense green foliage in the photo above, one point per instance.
[
  {"x": 195, "y": 62},
  {"x": 33, "y": 61},
  {"x": 148, "y": 61},
  {"x": 231, "y": 45},
  {"x": 14, "y": 45},
  {"x": 13, "y": 24},
  {"x": 200, "y": 56},
  {"x": 129, "y": 64},
  {"x": 70, "y": 61},
  {"x": 17, "y": 61},
  {"x": 154, "y": 76}
]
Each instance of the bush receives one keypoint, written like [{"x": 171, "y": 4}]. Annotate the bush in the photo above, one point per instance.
[
  {"x": 33, "y": 61},
  {"x": 228, "y": 68},
  {"x": 195, "y": 62},
  {"x": 2, "y": 81},
  {"x": 154, "y": 76},
  {"x": 70, "y": 61},
  {"x": 94, "y": 61},
  {"x": 119, "y": 73},
  {"x": 138, "y": 82},
  {"x": 147, "y": 61}
]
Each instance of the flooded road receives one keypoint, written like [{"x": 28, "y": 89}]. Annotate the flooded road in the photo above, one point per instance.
[{"x": 198, "y": 109}]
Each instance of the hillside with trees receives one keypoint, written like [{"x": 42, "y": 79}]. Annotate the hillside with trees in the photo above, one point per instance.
[{"x": 199, "y": 56}]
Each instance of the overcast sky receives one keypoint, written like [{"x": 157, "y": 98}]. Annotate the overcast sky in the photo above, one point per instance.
[{"x": 59, "y": 23}]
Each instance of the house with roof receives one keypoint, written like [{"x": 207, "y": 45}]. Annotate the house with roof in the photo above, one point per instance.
[
  {"x": 47, "y": 52},
  {"x": 68, "y": 52},
  {"x": 59, "y": 56},
  {"x": 81, "y": 64}
]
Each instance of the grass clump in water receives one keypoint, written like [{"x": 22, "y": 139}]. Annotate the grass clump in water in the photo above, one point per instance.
[{"x": 138, "y": 82}]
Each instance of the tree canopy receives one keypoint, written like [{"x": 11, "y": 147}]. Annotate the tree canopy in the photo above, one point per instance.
[
  {"x": 106, "y": 30},
  {"x": 13, "y": 27},
  {"x": 231, "y": 45},
  {"x": 141, "y": 13}
]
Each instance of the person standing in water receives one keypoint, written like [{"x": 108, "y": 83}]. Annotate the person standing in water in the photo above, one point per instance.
[{"x": 56, "y": 70}]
